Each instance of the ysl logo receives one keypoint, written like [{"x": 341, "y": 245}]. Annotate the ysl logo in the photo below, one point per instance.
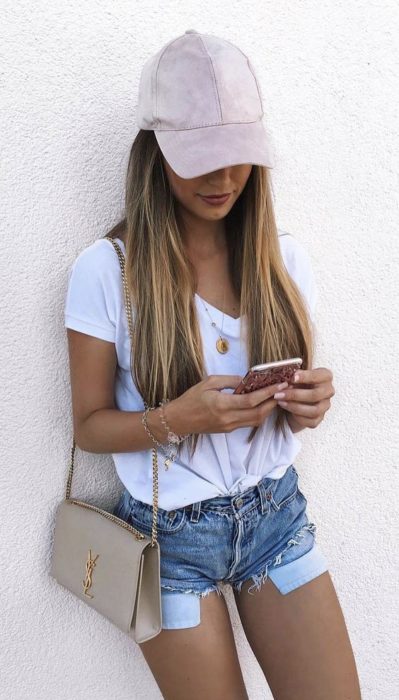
[{"x": 90, "y": 564}]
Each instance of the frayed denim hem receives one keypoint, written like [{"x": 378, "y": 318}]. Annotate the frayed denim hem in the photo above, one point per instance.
[
  {"x": 200, "y": 594},
  {"x": 261, "y": 576}
]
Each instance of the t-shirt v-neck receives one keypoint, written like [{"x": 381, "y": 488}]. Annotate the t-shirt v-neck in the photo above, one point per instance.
[
  {"x": 225, "y": 323},
  {"x": 230, "y": 325}
]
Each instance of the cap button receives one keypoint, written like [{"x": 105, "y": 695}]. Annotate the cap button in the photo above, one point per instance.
[{"x": 191, "y": 31}]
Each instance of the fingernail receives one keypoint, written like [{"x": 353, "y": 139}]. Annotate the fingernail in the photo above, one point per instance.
[
  {"x": 296, "y": 377},
  {"x": 282, "y": 386}
]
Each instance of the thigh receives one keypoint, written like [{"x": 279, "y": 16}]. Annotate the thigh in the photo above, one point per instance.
[
  {"x": 300, "y": 640},
  {"x": 200, "y": 662}
]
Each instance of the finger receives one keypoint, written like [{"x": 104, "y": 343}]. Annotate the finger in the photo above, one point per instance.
[
  {"x": 253, "y": 398},
  {"x": 312, "y": 395},
  {"x": 223, "y": 381},
  {"x": 303, "y": 409},
  {"x": 246, "y": 416},
  {"x": 313, "y": 376}
]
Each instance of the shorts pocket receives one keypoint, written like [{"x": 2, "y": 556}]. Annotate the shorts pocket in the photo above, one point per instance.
[
  {"x": 285, "y": 489},
  {"x": 140, "y": 515}
]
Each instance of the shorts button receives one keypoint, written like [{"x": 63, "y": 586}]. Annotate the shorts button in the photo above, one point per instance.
[
  {"x": 172, "y": 513},
  {"x": 239, "y": 502}
]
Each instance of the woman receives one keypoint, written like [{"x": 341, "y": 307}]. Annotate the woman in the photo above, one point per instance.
[{"x": 216, "y": 288}]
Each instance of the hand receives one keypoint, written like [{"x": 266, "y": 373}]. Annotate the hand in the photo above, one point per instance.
[
  {"x": 308, "y": 400},
  {"x": 204, "y": 409}
]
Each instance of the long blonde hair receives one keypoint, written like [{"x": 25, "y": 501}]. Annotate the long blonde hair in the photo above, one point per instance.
[{"x": 166, "y": 353}]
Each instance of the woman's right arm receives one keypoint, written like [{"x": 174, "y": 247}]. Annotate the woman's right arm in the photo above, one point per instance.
[{"x": 98, "y": 425}]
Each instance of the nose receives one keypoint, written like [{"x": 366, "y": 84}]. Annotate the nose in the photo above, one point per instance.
[{"x": 223, "y": 172}]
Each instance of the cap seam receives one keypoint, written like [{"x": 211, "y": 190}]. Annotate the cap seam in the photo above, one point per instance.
[
  {"x": 214, "y": 82},
  {"x": 251, "y": 69},
  {"x": 210, "y": 124},
  {"x": 256, "y": 82},
  {"x": 165, "y": 48}
]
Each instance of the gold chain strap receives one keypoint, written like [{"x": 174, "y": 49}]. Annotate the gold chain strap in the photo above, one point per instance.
[{"x": 128, "y": 307}]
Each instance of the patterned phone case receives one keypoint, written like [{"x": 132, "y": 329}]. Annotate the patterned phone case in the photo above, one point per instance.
[{"x": 274, "y": 375}]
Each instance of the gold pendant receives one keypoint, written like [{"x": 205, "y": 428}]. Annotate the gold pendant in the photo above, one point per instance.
[{"x": 222, "y": 345}]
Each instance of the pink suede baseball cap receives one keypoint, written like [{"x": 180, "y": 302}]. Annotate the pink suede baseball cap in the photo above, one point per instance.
[{"x": 200, "y": 96}]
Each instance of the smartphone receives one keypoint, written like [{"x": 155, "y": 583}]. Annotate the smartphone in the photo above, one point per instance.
[{"x": 267, "y": 374}]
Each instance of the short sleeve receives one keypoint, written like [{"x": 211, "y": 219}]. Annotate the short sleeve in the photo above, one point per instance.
[
  {"x": 299, "y": 265},
  {"x": 90, "y": 305}
]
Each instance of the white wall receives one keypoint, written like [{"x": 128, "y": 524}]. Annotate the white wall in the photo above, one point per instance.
[{"x": 69, "y": 81}]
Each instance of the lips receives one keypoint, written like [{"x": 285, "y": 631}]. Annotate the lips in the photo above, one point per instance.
[
  {"x": 215, "y": 196},
  {"x": 215, "y": 200}
]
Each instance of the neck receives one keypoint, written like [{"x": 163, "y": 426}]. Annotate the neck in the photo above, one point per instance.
[{"x": 203, "y": 240}]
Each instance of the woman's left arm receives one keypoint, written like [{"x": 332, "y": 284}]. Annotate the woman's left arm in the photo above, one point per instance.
[{"x": 308, "y": 399}]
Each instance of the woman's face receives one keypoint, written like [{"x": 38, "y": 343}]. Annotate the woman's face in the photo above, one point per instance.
[{"x": 188, "y": 192}]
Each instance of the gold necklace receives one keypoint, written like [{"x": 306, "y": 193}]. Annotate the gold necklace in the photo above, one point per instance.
[{"x": 222, "y": 344}]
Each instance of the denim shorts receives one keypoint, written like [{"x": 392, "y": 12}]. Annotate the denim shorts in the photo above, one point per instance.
[{"x": 263, "y": 532}]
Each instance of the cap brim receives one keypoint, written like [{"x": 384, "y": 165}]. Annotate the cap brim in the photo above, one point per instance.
[{"x": 194, "y": 152}]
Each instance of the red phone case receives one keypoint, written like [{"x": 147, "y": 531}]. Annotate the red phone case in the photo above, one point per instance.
[{"x": 274, "y": 375}]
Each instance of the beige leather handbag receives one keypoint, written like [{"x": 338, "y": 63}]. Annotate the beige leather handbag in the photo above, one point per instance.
[{"x": 105, "y": 561}]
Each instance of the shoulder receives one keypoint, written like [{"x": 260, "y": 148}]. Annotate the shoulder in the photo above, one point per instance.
[
  {"x": 294, "y": 253},
  {"x": 298, "y": 263},
  {"x": 97, "y": 267},
  {"x": 94, "y": 294},
  {"x": 99, "y": 258}
]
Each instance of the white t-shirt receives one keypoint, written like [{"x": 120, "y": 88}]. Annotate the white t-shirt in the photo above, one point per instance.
[{"x": 224, "y": 463}]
